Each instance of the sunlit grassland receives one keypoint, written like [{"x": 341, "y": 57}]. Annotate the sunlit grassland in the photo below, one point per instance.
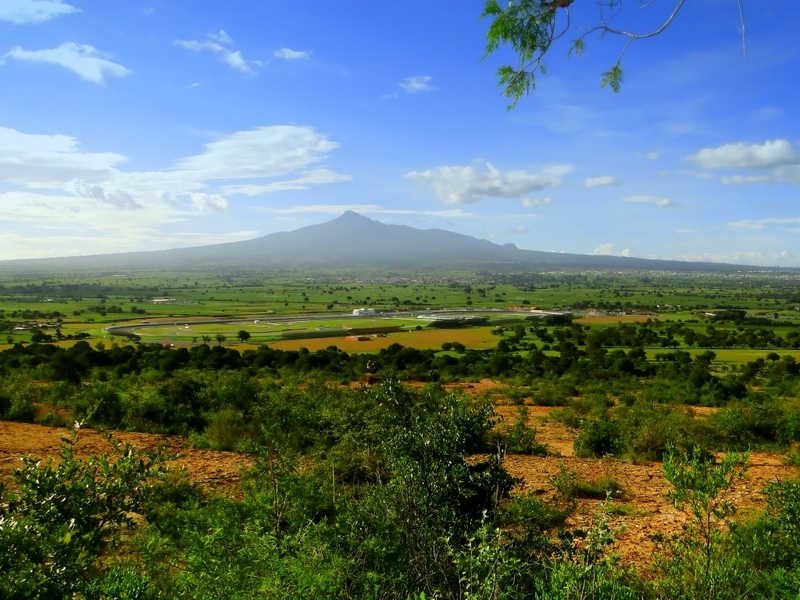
[
  {"x": 93, "y": 302},
  {"x": 432, "y": 339},
  {"x": 729, "y": 355}
]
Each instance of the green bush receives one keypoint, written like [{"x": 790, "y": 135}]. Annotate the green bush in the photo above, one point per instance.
[
  {"x": 600, "y": 489},
  {"x": 22, "y": 409},
  {"x": 598, "y": 438},
  {"x": 61, "y": 515},
  {"x": 226, "y": 430},
  {"x": 700, "y": 564},
  {"x": 520, "y": 438},
  {"x": 5, "y": 405}
]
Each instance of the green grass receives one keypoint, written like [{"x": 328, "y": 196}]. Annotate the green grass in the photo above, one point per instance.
[{"x": 251, "y": 295}]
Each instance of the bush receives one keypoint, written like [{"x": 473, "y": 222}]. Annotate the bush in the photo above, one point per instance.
[
  {"x": 602, "y": 488},
  {"x": 521, "y": 438},
  {"x": 226, "y": 430},
  {"x": 598, "y": 438},
  {"x": 569, "y": 486},
  {"x": 699, "y": 564},
  {"x": 61, "y": 515},
  {"x": 22, "y": 409}
]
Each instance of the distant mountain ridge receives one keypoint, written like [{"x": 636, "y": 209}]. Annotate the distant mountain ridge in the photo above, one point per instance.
[{"x": 353, "y": 240}]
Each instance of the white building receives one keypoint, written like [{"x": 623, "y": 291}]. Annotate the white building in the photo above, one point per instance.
[{"x": 363, "y": 311}]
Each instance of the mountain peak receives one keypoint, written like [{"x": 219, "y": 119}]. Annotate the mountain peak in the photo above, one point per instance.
[{"x": 351, "y": 216}]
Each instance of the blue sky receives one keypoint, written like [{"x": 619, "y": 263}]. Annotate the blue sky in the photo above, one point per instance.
[{"x": 148, "y": 125}]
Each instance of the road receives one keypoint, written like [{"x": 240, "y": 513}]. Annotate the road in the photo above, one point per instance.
[{"x": 131, "y": 328}]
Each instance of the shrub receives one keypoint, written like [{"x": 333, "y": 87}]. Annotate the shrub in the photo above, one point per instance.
[
  {"x": 569, "y": 486},
  {"x": 226, "y": 430},
  {"x": 520, "y": 438},
  {"x": 602, "y": 488},
  {"x": 699, "y": 564},
  {"x": 62, "y": 514},
  {"x": 598, "y": 438}
]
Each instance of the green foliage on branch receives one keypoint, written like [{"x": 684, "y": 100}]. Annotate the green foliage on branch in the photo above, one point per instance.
[{"x": 62, "y": 515}]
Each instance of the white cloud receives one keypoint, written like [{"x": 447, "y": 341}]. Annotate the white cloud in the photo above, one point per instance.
[
  {"x": 759, "y": 223},
  {"x": 778, "y": 157},
  {"x": 654, "y": 155},
  {"x": 61, "y": 186},
  {"x": 306, "y": 179},
  {"x": 82, "y": 59},
  {"x": 14, "y": 245},
  {"x": 47, "y": 161},
  {"x": 607, "y": 250},
  {"x": 465, "y": 185},
  {"x": 604, "y": 180},
  {"x": 261, "y": 152},
  {"x": 768, "y": 113},
  {"x": 418, "y": 83},
  {"x": 779, "y": 259},
  {"x": 746, "y": 179},
  {"x": 787, "y": 173},
  {"x": 495, "y": 232},
  {"x": 221, "y": 37},
  {"x": 33, "y": 11},
  {"x": 235, "y": 60},
  {"x": 51, "y": 162},
  {"x": 557, "y": 170},
  {"x": 112, "y": 197},
  {"x": 289, "y": 54},
  {"x": 745, "y": 224},
  {"x": 209, "y": 202},
  {"x": 214, "y": 43},
  {"x": 684, "y": 231},
  {"x": 372, "y": 209},
  {"x": 772, "y": 153},
  {"x": 659, "y": 202},
  {"x": 533, "y": 202}
]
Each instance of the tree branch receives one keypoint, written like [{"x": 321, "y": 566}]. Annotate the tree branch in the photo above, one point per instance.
[{"x": 642, "y": 36}]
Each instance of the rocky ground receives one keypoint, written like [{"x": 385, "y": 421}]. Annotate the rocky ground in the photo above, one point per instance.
[{"x": 641, "y": 512}]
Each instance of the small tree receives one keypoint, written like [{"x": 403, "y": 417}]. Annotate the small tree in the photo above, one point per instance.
[
  {"x": 243, "y": 335},
  {"x": 697, "y": 568},
  {"x": 220, "y": 339}
]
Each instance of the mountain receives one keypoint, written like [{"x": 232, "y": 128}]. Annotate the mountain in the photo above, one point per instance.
[{"x": 353, "y": 240}]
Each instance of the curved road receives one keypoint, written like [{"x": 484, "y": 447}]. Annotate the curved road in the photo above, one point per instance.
[{"x": 129, "y": 328}]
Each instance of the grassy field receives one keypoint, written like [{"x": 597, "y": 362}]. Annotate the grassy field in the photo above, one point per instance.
[
  {"x": 90, "y": 303},
  {"x": 432, "y": 339}
]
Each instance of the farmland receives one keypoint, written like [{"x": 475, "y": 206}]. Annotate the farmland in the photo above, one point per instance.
[
  {"x": 274, "y": 308},
  {"x": 569, "y": 406}
]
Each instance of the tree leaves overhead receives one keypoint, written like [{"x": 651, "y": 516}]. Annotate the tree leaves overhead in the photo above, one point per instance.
[{"x": 531, "y": 27}]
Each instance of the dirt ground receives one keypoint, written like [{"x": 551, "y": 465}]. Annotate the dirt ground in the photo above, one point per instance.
[
  {"x": 645, "y": 502},
  {"x": 213, "y": 470},
  {"x": 646, "y": 509}
]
